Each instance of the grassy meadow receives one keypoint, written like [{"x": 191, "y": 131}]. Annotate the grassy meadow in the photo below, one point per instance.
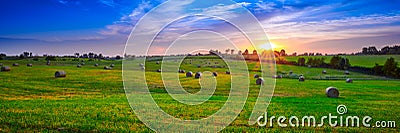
[
  {"x": 359, "y": 60},
  {"x": 91, "y": 99}
]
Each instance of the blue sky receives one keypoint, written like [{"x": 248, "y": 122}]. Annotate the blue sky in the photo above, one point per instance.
[{"x": 103, "y": 26}]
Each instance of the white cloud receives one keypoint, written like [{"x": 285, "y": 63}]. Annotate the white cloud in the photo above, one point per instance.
[{"x": 110, "y": 3}]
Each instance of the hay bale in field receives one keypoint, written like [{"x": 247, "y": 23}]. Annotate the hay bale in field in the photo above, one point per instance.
[
  {"x": 227, "y": 72},
  {"x": 189, "y": 74},
  {"x": 112, "y": 65},
  {"x": 349, "y": 80},
  {"x": 302, "y": 78},
  {"x": 181, "y": 71},
  {"x": 323, "y": 71},
  {"x": 60, "y": 74},
  {"x": 5, "y": 68},
  {"x": 96, "y": 65},
  {"x": 197, "y": 75},
  {"x": 332, "y": 92},
  {"x": 215, "y": 74},
  {"x": 347, "y": 72},
  {"x": 79, "y": 66},
  {"x": 29, "y": 65},
  {"x": 260, "y": 81},
  {"x": 277, "y": 76},
  {"x": 15, "y": 64},
  {"x": 158, "y": 70},
  {"x": 256, "y": 76},
  {"x": 107, "y": 68}
]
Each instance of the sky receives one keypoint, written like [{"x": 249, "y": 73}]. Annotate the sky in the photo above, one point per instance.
[{"x": 64, "y": 27}]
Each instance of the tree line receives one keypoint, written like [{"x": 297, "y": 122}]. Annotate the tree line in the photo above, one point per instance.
[
  {"x": 387, "y": 50},
  {"x": 389, "y": 69}
]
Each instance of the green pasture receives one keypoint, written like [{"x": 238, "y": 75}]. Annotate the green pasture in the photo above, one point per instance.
[
  {"x": 91, "y": 99},
  {"x": 355, "y": 60}
]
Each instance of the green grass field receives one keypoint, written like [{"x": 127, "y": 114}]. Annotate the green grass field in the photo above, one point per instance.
[
  {"x": 360, "y": 60},
  {"x": 91, "y": 99}
]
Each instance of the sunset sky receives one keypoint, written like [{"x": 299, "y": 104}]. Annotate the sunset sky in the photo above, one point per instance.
[{"x": 103, "y": 26}]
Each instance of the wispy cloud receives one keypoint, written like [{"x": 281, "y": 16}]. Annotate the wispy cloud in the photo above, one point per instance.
[
  {"x": 125, "y": 24},
  {"x": 109, "y": 3}
]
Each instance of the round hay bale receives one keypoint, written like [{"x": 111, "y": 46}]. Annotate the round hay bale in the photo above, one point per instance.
[
  {"x": 277, "y": 76},
  {"x": 79, "y": 66},
  {"x": 15, "y": 64},
  {"x": 5, "y": 68},
  {"x": 181, "y": 71},
  {"x": 256, "y": 76},
  {"x": 158, "y": 70},
  {"x": 332, "y": 92},
  {"x": 260, "y": 81},
  {"x": 323, "y": 71},
  {"x": 215, "y": 74},
  {"x": 60, "y": 74},
  {"x": 227, "y": 72},
  {"x": 302, "y": 78},
  {"x": 349, "y": 80},
  {"x": 347, "y": 72},
  {"x": 197, "y": 75},
  {"x": 112, "y": 65},
  {"x": 189, "y": 74},
  {"x": 290, "y": 72},
  {"x": 107, "y": 68},
  {"x": 96, "y": 65},
  {"x": 29, "y": 65}
]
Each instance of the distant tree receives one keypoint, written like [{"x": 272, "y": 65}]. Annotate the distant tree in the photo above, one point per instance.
[
  {"x": 377, "y": 69},
  {"x": 334, "y": 63},
  {"x": 25, "y": 54},
  {"x": 240, "y": 52},
  {"x": 301, "y": 61},
  {"x": 246, "y": 52},
  {"x": 232, "y": 51},
  {"x": 390, "y": 68},
  {"x": 2, "y": 56},
  {"x": 282, "y": 53},
  {"x": 227, "y": 51},
  {"x": 310, "y": 61},
  {"x": 119, "y": 57},
  {"x": 91, "y": 55},
  {"x": 77, "y": 55}
]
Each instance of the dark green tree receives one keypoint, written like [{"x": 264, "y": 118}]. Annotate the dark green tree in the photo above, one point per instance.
[{"x": 390, "y": 68}]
